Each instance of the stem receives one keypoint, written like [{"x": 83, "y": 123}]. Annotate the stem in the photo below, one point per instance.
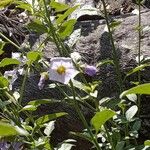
[
  {"x": 81, "y": 116},
  {"x": 57, "y": 40},
  {"x": 109, "y": 138},
  {"x": 23, "y": 85},
  {"x": 85, "y": 103},
  {"x": 1, "y": 34},
  {"x": 139, "y": 52},
  {"x": 115, "y": 58}
]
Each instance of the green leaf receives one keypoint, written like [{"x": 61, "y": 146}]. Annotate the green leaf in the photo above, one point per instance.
[
  {"x": 132, "y": 97},
  {"x": 61, "y": 18},
  {"x": 66, "y": 146},
  {"x": 137, "y": 125},
  {"x": 49, "y": 128},
  {"x": 103, "y": 62},
  {"x": 43, "y": 101},
  {"x": 1, "y": 51},
  {"x": 59, "y": 6},
  {"x": 25, "y": 6},
  {"x": 37, "y": 26},
  {"x": 3, "y": 82},
  {"x": 130, "y": 113},
  {"x": 84, "y": 135},
  {"x": 9, "y": 61},
  {"x": 66, "y": 28},
  {"x": 147, "y": 143},
  {"x": 2, "y": 43},
  {"x": 4, "y": 3},
  {"x": 7, "y": 130},
  {"x": 140, "y": 89},
  {"x": 33, "y": 56},
  {"x": 46, "y": 118},
  {"x": 138, "y": 68},
  {"x": 101, "y": 117},
  {"x": 120, "y": 145},
  {"x": 114, "y": 24},
  {"x": 29, "y": 108}
]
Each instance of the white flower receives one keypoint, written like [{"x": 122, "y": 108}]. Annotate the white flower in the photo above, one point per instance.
[
  {"x": 75, "y": 56},
  {"x": 62, "y": 70}
]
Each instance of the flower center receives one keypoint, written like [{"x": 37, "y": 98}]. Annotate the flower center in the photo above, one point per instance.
[{"x": 61, "y": 70}]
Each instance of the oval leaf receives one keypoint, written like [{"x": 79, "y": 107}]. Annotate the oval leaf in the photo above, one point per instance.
[
  {"x": 61, "y": 18},
  {"x": 140, "y": 89},
  {"x": 132, "y": 97},
  {"x": 7, "y": 130},
  {"x": 101, "y": 117},
  {"x": 3, "y": 82},
  {"x": 9, "y": 61},
  {"x": 29, "y": 108},
  {"x": 130, "y": 113},
  {"x": 46, "y": 118},
  {"x": 58, "y": 6},
  {"x": 147, "y": 143},
  {"x": 138, "y": 68}
]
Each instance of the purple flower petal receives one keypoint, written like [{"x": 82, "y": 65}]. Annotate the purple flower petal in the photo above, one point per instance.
[{"x": 90, "y": 70}]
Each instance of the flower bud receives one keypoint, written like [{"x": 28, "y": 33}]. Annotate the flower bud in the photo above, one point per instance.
[
  {"x": 43, "y": 78},
  {"x": 90, "y": 70}
]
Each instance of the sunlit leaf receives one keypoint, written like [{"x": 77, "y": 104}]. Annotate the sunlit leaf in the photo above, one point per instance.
[
  {"x": 104, "y": 62},
  {"x": 66, "y": 146},
  {"x": 9, "y": 61},
  {"x": 66, "y": 28},
  {"x": 3, "y": 82},
  {"x": 130, "y": 113},
  {"x": 1, "y": 51},
  {"x": 101, "y": 117},
  {"x": 65, "y": 15},
  {"x": 9, "y": 130},
  {"x": 42, "y": 101},
  {"x": 147, "y": 143},
  {"x": 46, "y": 118},
  {"x": 114, "y": 24},
  {"x": 138, "y": 68},
  {"x": 25, "y": 6},
  {"x": 4, "y": 3},
  {"x": 132, "y": 97},
  {"x": 84, "y": 135},
  {"x": 49, "y": 128},
  {"x": 1, "y": 47},
  {"x": 33, "y": 56},
  {"x": 29, "y": 108},
  {"x": 58, "y": 6},
  {"x": 140, "y": 89},
  {"x": 37, "y": 26}
]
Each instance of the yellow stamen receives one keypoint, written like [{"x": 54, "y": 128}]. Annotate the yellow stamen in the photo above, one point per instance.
[{"x": 61, "y": 70}]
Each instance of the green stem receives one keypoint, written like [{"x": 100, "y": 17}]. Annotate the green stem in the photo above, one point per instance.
[
  {"x": 57, "y": 40},
  {"x": 115, "y": 58},
  {"x": 23, "y": 85},
  {"x": 1, "y": 34},
  {"x": 81, "y": 116},
  {"x": 139, "y": 53},
  {"x": 85, "y": 103},
  {"x": 109, "y": 138}
]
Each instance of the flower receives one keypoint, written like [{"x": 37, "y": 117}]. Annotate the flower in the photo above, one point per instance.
[
  {"x": 62, "y": 70},
  {"x": 90, "y": 70},
  {"x": 43, "y": 78}
]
